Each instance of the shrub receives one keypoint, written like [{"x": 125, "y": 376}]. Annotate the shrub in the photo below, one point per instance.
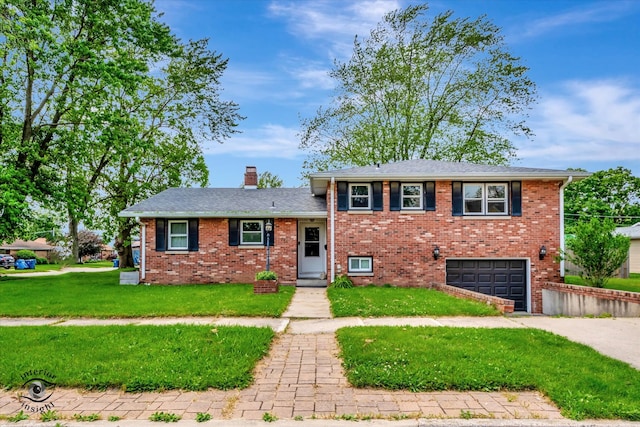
[
  {"x": 597, "y": 250},
  {"x": 42, "y": 261},
  {"x": 266, "y": 275},
  {"x": 342, "y": 282},
  {"x": 25, "y": 254}
]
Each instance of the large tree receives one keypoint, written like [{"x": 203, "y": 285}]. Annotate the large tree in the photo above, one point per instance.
[
  {"x": 613, "y": 193},
  {"x": 444, "y": 89},
  {"x": 60, "y": 60},
  {"x": 101, "y": 106}
]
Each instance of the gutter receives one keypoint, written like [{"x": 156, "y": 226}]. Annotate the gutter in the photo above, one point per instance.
[
  {"x": 143, "y": 249},
  {"x": 333, "y": 232},
  {"x": 562, "y": 239}
]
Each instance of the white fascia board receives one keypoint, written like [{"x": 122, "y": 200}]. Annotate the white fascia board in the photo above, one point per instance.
[{"x": 255, "y": 214}]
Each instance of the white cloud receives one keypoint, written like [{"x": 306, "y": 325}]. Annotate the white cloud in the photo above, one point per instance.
[
  {"x": 583, "y": 13},
  {"x": 333, "y": 22},
  {"x": 586, "y": 121},
  {"x": 270, "y": 140}
]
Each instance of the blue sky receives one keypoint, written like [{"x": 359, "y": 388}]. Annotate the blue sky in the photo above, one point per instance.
[{"x": 584, "y": 57}]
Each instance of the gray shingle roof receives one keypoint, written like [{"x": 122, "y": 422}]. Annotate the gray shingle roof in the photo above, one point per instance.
[
  {"x": 633, "y": 232},
  {"x": 230, "y": 203},
  {"x": 435, "y": 170}
]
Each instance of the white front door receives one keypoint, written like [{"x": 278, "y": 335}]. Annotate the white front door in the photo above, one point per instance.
[{"x": 312, "y": 251}]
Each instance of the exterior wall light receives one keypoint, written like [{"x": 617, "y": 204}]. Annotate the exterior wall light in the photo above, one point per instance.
[
  {"x": 436, "y": 252},
  {"x": 543, "y": 252}
]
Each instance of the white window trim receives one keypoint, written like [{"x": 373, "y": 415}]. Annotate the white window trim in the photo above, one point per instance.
[
  {"x": 261, "y": 242},
  {"x": 485, "y": 199},
  {"x": 351, "y": 196},
  {"x": 360, "y": 270},
  {"x": 420, "y": 196},
  {"x": 170, "y": 235}
]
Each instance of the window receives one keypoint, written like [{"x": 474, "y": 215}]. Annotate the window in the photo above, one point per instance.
[
  {"x": 178, "y": 237},
  {"x": 485, "y": 199},
  {"x": 359, "y": 196},
  {"x": 360, "y": 264},
  {"x": 251, "y": 233},
  {"x": 411, "y": 196}
]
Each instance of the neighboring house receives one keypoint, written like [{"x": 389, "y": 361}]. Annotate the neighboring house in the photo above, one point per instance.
[
  {"x": 410, "y": 223},
  {"x": 633, "y": 233},
  {"x": 39, "y": 246}
]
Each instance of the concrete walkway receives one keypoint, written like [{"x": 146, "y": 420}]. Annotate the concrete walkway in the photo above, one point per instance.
[{"x": 302, "y": 376}]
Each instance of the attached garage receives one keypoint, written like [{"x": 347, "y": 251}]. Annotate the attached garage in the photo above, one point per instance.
[{"x": 504, "y": 278}]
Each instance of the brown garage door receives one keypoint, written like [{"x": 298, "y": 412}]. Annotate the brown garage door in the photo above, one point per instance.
[{"x": 500, "y": 278}]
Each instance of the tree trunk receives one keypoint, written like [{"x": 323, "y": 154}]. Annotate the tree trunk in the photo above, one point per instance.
[
  {"x": 73, "y": 235},
  {"x": 123, "y": 246}
]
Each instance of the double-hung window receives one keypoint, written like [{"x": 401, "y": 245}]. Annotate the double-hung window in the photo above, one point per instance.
[
  {"x": 485, "y": 198},
  {"x": 359, "y": 196},
  {"x": 411, "y": 196},
  {"x": 178, "y": 235},
  {"x": 251, "y": 232}
]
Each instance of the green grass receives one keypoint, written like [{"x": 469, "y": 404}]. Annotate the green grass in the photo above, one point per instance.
[
  {"x": 39, "y": 268},
  {"x": 376, "y": 301},
  {"x": 582, "y": 382},
  {"x": 134, "y": 358},
  {"x": 632, "y": 284},
  {"x": 100, "y": 295}
]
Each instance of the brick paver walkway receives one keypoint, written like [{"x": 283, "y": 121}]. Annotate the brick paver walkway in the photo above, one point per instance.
[{"x": 302, "y": 376}]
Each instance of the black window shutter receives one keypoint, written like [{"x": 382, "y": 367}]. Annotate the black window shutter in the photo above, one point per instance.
[
  {"x": 234, "y": 232},
  {"x": 343, "y": 196},
  {"x": 271, "y": 234},
  {"x": 377, "y": 195},
  {"x": 516, "y": 198},
  {"x": 456, "y": 198},
  {"x": 193, "y": 234},
  {"x": 395, "y": 199},
  {"x": 161, "y": 234},
  {"x": 429, "y": 193}
]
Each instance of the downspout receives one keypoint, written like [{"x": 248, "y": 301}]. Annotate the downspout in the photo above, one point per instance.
[
  {"x": 562, "y": 239},
  {"x": 143, "y": 249},
  {"x": 333, "y": 231}
]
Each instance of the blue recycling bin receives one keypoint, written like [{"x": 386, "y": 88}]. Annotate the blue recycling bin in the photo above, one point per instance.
[
  {"x": 31, "y": 263},
  {"x": 116, "y": 263},
  {"x": 20, "y": 264}
]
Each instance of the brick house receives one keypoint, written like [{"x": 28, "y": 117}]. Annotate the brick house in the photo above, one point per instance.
[{"x": 409, "y": 223}]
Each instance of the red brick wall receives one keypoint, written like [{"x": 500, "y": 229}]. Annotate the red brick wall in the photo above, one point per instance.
[
  {"x": 216, "y": 261},
  {"x": 401, "y": 244}
]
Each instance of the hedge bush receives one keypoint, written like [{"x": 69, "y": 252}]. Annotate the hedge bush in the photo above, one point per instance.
[{"x": 25, "y": 254}]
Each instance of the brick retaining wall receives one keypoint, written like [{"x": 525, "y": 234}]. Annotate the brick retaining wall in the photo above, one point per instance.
[
  {"x": 503, "y": 305},
  {"x": 576, "y": 300}
]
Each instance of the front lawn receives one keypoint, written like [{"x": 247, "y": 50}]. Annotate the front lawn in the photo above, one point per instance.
[
  {"x": 632, "y": 284},
  {"x": 134, "y": 358},
  {"x": 377, "y": 301},
  {"x": 100, "y": 295},
  {"x": 582, "y": 382}
]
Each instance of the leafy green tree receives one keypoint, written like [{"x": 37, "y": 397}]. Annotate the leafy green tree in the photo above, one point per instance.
[
  {"x": 60, "y": 62},
  {"x": 445, "y": 89},
  {"x": 613, "y": 193},
  {"x": 597, "y": 250},
  {"x": 269, "y": 180}
]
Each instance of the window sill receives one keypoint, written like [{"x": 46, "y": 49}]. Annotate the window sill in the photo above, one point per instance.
[
  {"x": 177, "y": 252},
  {"x": 360, "y": 212},
  {"x": 259, "y": 246},
  {"x": 370, "y": 274},
  {"x": 487, "y": 217},
  {"x": 412, "y": 212}
]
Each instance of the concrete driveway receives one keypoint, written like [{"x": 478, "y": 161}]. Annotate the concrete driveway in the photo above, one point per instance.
[{"x": 615, "y": 337}]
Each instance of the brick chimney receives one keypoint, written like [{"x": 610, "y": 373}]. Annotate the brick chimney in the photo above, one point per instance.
[{"x": 251, "y": 178}]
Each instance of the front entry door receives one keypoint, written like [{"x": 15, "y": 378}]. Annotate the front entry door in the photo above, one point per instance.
[{"x": 312, "y": 251}]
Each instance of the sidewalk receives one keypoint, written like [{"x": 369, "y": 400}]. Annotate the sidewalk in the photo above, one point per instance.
[{"x": 302, "y": 378}]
